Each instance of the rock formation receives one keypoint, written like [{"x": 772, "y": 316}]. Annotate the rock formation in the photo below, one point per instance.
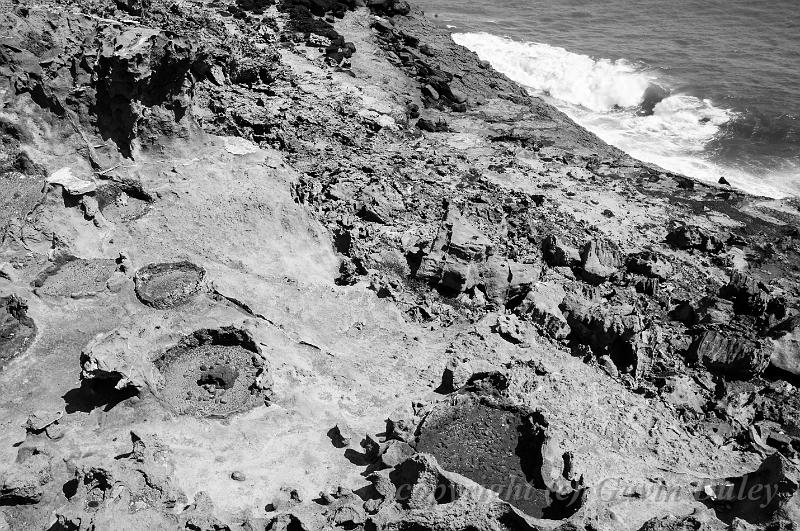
[{"x": 308, "y": 264}]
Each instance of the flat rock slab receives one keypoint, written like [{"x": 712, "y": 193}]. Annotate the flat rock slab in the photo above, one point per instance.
[
  {"x": 71, "y": 184},
  {"x": 74, "y": 277},
  {"x": 168, "y": 285}
]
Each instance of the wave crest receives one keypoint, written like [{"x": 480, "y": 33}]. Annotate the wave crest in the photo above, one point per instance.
[
  {"x": 596, "y": 84},
  {"x": 625, "y": 105}
]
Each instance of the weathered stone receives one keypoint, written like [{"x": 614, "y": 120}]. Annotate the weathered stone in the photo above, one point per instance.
[
  {"x": 458, "y": 275},
  {"x": 341, "y": 434},
  {"x": 493, "y": 275},
  {"x": 747, "y": 295},
  {"x": 146, "y": 473},
  {"x": 785, "y": 352},
  {"x": 17, "y": 329},
  {"x": 466, "y": 241},
  {"x": 649, "y": 264},
  {"x": 611, "y": 331},
  {"x": 372, "y": 447},
  {"x": 430, "y": 92},
  {"x": 730, "y": 353},
  {"x": 459, "y": 372},
  {"x": 758, "y": 497},
  {"x": 71, "y": 184},
  {"x": 675, "y": 523},
  {"x": 510, "y": 328},
  {"x": 22, "y": 483},
  {"x": 377, "y": 208},
  {"x": 40, "y": 420},
  {"x": 420, "y": 483},
  {"x": 347, "y": 512},
  {"x": 558, "y": 254},
  {"x": 476, "y": 438},
  {"x": 401, "y": 425},
  {"x": 687, "y": 237},
  {"x": 541, "y": 305},
  {"x": 395, "y": 453},
  {"x": 599, "y": 260},
  {"x": 168, "y": 285}
]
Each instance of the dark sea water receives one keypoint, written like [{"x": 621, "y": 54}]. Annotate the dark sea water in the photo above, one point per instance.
[{"x": 731, "y": 69}]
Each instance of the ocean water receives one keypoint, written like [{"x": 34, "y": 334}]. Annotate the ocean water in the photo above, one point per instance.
[{"x": 709, "y": 88}]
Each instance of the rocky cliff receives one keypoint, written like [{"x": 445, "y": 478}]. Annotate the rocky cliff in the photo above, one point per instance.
[{"x": 311, "y": 265}]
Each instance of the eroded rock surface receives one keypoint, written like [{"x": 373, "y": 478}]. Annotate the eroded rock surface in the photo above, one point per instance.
[{"x": 245, "y": 224}]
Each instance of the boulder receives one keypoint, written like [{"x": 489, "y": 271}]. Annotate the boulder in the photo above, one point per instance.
[
  {"x": 785, "y": 352},
  {"x": 420, "y": 483},
  {"x": 17, "y": 329},
  {"x": 541, "y": 306},
  {"x": 377, "y": 207},
  {"x": 459, "y": 372},
  {"x": 599, "y": 260},
  {"x": 71, "y": 184},
  {"x": 689, "y": 237},
  {"x": 768, "y": 494},
  {"x": 749, "y": 297},
  {"x": 401, "y": 425},
  {"x": 466, "y": 241},
  {"x": 168, "y": 285},
  {"x": 347, "y": 512},
  {"x": 616, "y": 331},
  {"x": 558, "y": 254},
  {"x": 649, "y": 264},
  {"x": 457, "y": 258},
  {"x": 729, "y": 352},
  {"x": 22, "y": 483},
  {"x": 510, "y": 328},
  {"x": 395, "y": 453}
]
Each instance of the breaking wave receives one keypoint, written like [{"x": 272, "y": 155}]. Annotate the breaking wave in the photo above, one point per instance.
[{"x": 624, "y": 103}]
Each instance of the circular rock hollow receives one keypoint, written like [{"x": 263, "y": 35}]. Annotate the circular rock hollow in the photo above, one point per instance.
[
  {"x": 498, "y": 446},
  {"x": 211, "y": 375},
  {"x": 168, "y": 285},
  {"x": 122, "y": 202}
]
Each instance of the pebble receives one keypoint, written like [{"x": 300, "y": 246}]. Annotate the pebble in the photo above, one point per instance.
[{"x": 238, "y": 476}]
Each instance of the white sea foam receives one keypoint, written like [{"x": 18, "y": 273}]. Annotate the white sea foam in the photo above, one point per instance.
[
  {"x": 605, "y": 97},
  {"x": 599, "y": 85}
]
